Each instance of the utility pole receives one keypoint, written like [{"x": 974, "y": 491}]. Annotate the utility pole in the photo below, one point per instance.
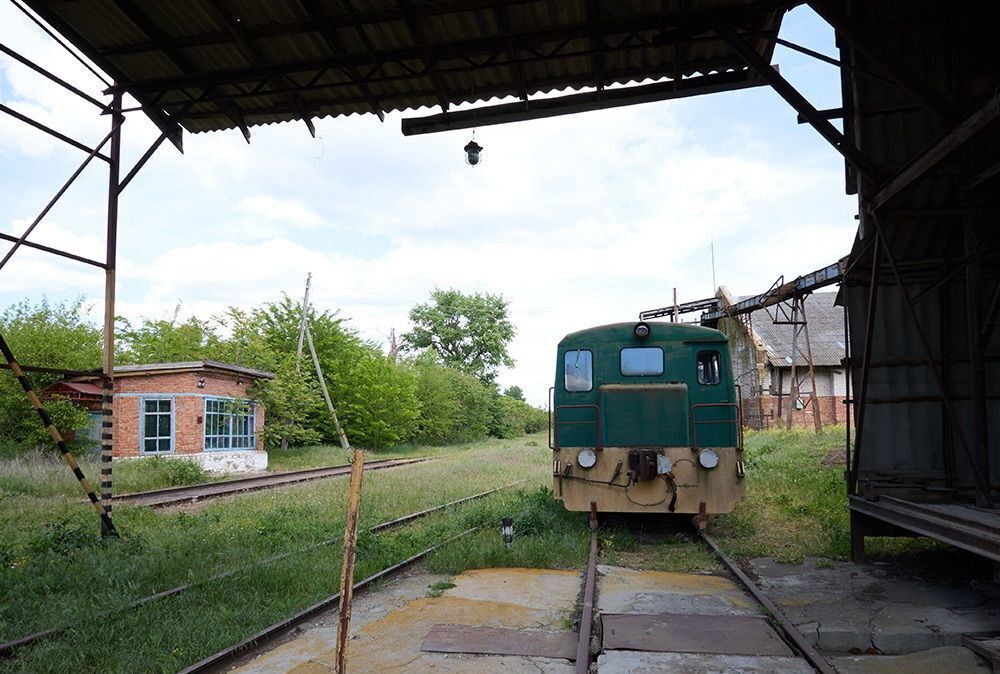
[
  {"x": 393, "y": 346},
  {"x": 302, "y": 330},
  {"x": 302, "y": 322}
]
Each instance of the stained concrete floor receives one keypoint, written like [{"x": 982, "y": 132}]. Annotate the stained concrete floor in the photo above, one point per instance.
[
  {"x": 388, "y": 626},
  {"x": 861, "y": 608},
  {"x": 865, "y": 620}
]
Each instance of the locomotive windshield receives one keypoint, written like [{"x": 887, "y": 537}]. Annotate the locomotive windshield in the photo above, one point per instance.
[
  {"x": 579, "y": 370},
  {"x": 644, "y": 360}
]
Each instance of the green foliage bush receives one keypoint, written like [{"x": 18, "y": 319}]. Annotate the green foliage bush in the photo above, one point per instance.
[
  {"x": 381, "y": 402},
  {"x": 50, "y": 335},
  {"x": 173, "y": 472}
]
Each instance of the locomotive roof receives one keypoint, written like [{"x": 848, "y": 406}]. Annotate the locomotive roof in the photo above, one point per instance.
[{"x": 660, "y": 331}]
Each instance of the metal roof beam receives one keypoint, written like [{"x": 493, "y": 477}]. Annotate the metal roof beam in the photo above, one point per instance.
[
  {"x": 174, "y": 132},
  {"x": 797, "y": 101},
  {"x": 369, "y": 49},
  {"x": 492, "y": 91},
  {"x": 868, "y": 47},
  {"x": 937, "y": 152},
  {"x": 254, "y": 55},
  {"x": 148, "y": 26},
  {"x": 459, "y": 49},
  {"x": 553, "y": 55},
  {"x": 574, "y": 103},
  {"x": 365, "y": 18},
  {"x": 419, "y": 36},
  {"x": 503, "y": 21}
]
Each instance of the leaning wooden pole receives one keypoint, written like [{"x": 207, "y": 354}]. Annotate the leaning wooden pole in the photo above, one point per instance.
[
  {"x": 326, "y": 394},
  {"x": 302, "y": 333},
  {"x": 350, "y": 550}
]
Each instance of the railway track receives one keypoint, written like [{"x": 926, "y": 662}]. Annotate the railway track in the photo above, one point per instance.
[
  {"x": 274, "y": 631},
  {"x": 787, "y": 630},
  {"x": 158, "y": 498}
]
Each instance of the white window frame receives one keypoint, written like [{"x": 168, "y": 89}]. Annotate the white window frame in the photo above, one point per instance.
[
  {"x": 223, "y": 442},
  {"x": 142, "y": 425}
]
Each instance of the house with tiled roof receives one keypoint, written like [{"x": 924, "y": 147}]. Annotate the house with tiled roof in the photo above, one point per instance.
[{"x": 763, "y": 355}]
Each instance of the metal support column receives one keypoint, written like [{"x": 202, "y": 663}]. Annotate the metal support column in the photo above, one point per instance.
[
  {"x": 108, "y": 369},
  {"x": 866, "y": 359},
  {"x": 977, "y": 364}
]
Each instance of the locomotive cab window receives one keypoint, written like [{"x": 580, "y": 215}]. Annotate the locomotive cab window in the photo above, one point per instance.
[
  {"x": 642, "y": 361},
  {"x": 708, "y": 367},
  {"x": 578, "y": 368}
]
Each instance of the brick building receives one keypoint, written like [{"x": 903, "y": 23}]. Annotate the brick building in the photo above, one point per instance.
[
  {"x": 201, "y": 410},
  {"x": 765, "y": 348}
]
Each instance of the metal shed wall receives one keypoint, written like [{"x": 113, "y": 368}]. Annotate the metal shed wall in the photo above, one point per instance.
[{"x": 939, "y": 237}]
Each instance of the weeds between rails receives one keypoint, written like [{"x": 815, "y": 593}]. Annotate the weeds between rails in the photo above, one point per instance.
[{"x": 9, "y": 648}]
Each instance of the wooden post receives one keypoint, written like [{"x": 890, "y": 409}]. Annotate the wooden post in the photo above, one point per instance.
[
  {"x": 326, "y": 394},
  {"x": 350, "y": 549},
  {"x": 302, "y": 332}
]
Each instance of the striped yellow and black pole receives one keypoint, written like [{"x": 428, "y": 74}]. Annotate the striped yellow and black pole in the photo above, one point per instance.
[
  {"x": 107, "y": 436},
  {"x": 106, "y": 523}
]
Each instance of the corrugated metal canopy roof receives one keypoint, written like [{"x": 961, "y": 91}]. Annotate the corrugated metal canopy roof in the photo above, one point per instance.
[{"x": 223, "y": 64}]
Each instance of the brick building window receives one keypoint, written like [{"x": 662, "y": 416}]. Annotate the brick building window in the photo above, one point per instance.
[
  {"x": 229, "y": 424},
  {"x": 157, "y": 425}
]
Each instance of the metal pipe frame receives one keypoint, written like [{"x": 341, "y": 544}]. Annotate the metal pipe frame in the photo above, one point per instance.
[
  {"x": 115, "y": 188},
  {"x": 49, "y": 130},
  {"x": 62, "y": 190}
]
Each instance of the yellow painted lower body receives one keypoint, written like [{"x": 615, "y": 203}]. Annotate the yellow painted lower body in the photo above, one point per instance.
[{"x": 720, "y": 488}]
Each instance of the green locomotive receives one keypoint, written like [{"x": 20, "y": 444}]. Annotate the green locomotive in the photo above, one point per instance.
[{"x": 645, "y": 417}]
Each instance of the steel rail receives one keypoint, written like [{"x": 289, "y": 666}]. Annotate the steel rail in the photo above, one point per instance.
[
  {"x": 817, "y": 661},
  {"x": 269, "y": 634},
  {"x": 587, "y": 614},
  {"x": 171, "y": 495},
  {"x": 6, "y": 649}
]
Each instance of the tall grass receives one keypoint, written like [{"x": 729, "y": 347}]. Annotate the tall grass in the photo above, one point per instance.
[
  {"x": 795, "y": 505},
  {"x": 44, "y": 473},
  {"x": 55, "y": 570}
]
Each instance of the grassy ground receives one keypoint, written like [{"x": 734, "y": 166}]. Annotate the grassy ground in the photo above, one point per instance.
[
  {"x": 796, "y": 498},
  {"x": 55, "y": 571},
  {"x": 44, "y": 473}
]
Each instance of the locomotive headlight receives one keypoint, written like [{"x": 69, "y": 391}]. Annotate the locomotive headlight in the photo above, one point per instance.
[
  {"x": 708, "y": 459},
  {"x": 641, "y": 331},
  {"x": 586, "y": 458}
]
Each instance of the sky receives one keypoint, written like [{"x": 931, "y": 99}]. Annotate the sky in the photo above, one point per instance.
[{"x": 576, "y": 221}]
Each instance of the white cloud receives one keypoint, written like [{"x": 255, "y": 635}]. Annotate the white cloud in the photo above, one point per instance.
[
  {"x": 577, "y": 221},
  {"x": 286, "y": 211}
]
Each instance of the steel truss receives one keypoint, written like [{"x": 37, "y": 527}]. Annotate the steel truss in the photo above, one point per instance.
[{"x": 116, "y": 185}]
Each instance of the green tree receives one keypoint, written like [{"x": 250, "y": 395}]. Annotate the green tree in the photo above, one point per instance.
[
  {"x": 468, "y": 332},
  {"x": 383, "y": 409},
  {"x": 514, "y": 392},
  {"x": 164, "y": 341},
  {"x": 45, "y": 335}
]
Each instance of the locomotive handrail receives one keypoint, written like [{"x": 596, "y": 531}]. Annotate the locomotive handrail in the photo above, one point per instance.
[
  {"x": 695, "y": 421},
  {"x": 554, "y": 423}
]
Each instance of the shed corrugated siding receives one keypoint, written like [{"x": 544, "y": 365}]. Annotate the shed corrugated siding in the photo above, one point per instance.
[{"x": 953, "y": 50}]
